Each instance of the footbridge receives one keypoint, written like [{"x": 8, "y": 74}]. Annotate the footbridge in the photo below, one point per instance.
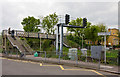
[{"x": 21, "y": 45}]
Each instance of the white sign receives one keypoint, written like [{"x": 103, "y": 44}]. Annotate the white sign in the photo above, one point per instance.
[{"x": 104, "y": 33}]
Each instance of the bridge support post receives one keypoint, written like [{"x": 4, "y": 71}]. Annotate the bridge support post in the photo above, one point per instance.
[
  {"x": 61, "y": 39},
  {"x": 57, "y": 39}
]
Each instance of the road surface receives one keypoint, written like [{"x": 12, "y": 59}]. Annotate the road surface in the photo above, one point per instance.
[{"x": 21, "y": 67}]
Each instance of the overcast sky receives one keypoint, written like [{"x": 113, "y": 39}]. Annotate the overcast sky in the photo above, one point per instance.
[{"x": 12, "y": 12}]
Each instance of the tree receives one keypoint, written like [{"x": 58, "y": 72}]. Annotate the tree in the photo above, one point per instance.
[
  {"x": 102, "y": 28},
  {"x": 78, "y": 31},
  {"x": 91, "y": 33},
  {"x": 30, "y": 24},
  {"x": 49, "y": 22}
]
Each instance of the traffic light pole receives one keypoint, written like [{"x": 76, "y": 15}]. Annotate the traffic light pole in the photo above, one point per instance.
[{"x": 61, "y": 25}]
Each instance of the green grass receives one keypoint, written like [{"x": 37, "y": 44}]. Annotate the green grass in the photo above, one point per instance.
[
  {"x": 65, "y": 49},
  {"x": 112, "y": 53},
  {"x": 1, "y": 49}
]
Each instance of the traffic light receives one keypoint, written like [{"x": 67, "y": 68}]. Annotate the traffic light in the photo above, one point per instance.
[
  {"x": 67, "y": 19},
  {"x": 84, "y": 22}
]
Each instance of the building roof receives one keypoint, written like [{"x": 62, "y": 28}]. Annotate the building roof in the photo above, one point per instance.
[{"x": 113, "y": 29}]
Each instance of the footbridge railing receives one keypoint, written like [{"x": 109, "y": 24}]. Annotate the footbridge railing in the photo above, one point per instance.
[{"x": 30, "y": 34}]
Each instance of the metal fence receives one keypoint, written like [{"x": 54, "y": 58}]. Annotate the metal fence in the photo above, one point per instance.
[
  {"x": 76, "y": 59},
  {"x": 65, "y": 56}
]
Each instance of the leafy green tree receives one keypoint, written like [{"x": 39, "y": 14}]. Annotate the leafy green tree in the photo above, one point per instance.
[
  {"x": 30, "y": 24},
  {"x": 49, "y": 22},
  {"x": 78, "y": 31},
  {"x": 91, "y": 33},
  {"x": 46, "y": 44},
  {"x": 102, "y": 28}
]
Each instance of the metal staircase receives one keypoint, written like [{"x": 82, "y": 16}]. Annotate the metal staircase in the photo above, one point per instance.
[{"x": 16, "y": 42}]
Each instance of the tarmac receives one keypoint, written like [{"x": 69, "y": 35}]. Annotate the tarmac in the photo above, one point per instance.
[{"x": 81, "y": 64}]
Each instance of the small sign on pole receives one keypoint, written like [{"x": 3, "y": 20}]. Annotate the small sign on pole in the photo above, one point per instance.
[{"x": 104, "y": 33}]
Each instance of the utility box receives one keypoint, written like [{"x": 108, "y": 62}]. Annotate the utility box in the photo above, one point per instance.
[
  {"x": 97, "y": 52},
  {"x": 84, "y": 51},
  {"x": 72, "y": 53}
]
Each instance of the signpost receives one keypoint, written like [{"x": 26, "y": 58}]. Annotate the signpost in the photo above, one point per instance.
[
  {"x": 96, "y": 53},
  {"x": 104, "y": 34}
]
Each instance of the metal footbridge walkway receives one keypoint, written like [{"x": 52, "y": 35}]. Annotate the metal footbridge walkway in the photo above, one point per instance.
[
  {"x": 22, "y": 46},
  {"x": 30, "y": 34}
]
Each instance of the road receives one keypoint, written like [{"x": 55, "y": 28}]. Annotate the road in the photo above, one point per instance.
[{"x": 21, "y": 67}]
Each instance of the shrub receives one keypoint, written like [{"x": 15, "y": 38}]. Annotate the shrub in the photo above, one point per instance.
[
  {"x": 21, "y": 38},
  {"x": 46, "y": 44}
]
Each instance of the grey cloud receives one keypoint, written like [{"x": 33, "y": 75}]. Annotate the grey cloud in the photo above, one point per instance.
[{"x": 96, "y": 12}]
